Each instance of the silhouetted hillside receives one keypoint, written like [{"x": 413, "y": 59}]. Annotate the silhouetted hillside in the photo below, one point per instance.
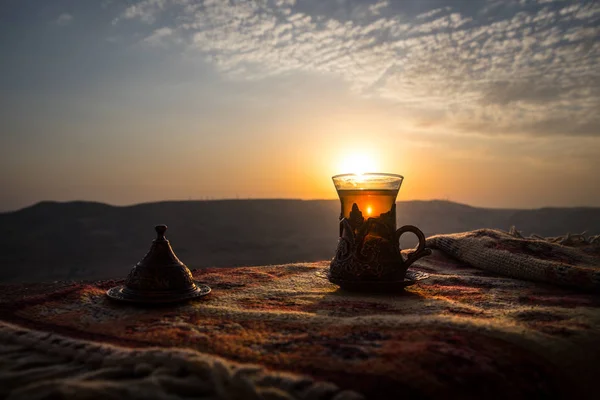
[{"x": 84, "y": 240}]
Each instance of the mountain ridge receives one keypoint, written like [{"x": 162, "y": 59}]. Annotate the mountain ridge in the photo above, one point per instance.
[{"x": 92, "y": 240}]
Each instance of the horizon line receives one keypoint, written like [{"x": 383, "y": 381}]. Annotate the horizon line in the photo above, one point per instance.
[{"x": 211, "y": 199}]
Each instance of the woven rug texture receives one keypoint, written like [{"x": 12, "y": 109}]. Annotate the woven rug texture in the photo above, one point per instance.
[
  {"x": 472, "y": 330},
  {"x": 37, "y": 365}
]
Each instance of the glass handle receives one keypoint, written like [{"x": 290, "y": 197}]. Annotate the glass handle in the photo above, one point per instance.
[{"x": 421, "y": 250}]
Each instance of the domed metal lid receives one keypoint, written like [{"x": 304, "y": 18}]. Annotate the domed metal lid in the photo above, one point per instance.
[{"x": 160, "y": 277}]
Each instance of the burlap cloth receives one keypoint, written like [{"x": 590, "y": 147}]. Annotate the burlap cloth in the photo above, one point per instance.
[{"x": 571, "y": 260}]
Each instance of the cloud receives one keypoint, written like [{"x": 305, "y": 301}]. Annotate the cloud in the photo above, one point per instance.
[
  {"x": 525, "y": 69},
  {"x": 157, "y": 38},
  {"x": 432, "y": 13},
  {"x": 377, "y": 8},
  {"x": 63, "y": 19},
  {"x": 146, "y": 11}
]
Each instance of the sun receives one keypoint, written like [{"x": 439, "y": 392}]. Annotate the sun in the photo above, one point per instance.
[{"x": 357, "y": 163}]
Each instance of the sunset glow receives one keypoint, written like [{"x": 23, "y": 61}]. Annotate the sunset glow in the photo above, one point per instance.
[
  {"x": 358, "y": 163},
  {"x": 149, "y": 100}
]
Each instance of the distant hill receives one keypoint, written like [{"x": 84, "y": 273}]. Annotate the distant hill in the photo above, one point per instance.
[{"x": 84, "y": 240}]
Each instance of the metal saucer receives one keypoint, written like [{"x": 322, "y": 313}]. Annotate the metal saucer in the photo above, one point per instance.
[
  {"x": 410, "y": 278},
  {"x": 123, "y": 293}
]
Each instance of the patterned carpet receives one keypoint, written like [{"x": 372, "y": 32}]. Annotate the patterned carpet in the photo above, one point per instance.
[
  {"x": 463, "y": 332},
  {"x": 37, "y": 365}
]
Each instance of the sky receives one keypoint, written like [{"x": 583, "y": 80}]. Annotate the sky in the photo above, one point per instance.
[{"x": 488, "y": 103}]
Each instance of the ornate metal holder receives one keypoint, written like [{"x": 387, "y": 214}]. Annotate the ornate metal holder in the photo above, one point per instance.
[
  {"x": 368, "y": 256},
  {"x": 160, "y": 277}
]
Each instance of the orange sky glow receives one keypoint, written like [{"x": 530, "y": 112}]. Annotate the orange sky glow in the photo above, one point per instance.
[{"x": 130, "y": 102}]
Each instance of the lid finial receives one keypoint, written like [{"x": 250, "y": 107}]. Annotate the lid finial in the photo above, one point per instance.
[{"x": 160, "y": 232}]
